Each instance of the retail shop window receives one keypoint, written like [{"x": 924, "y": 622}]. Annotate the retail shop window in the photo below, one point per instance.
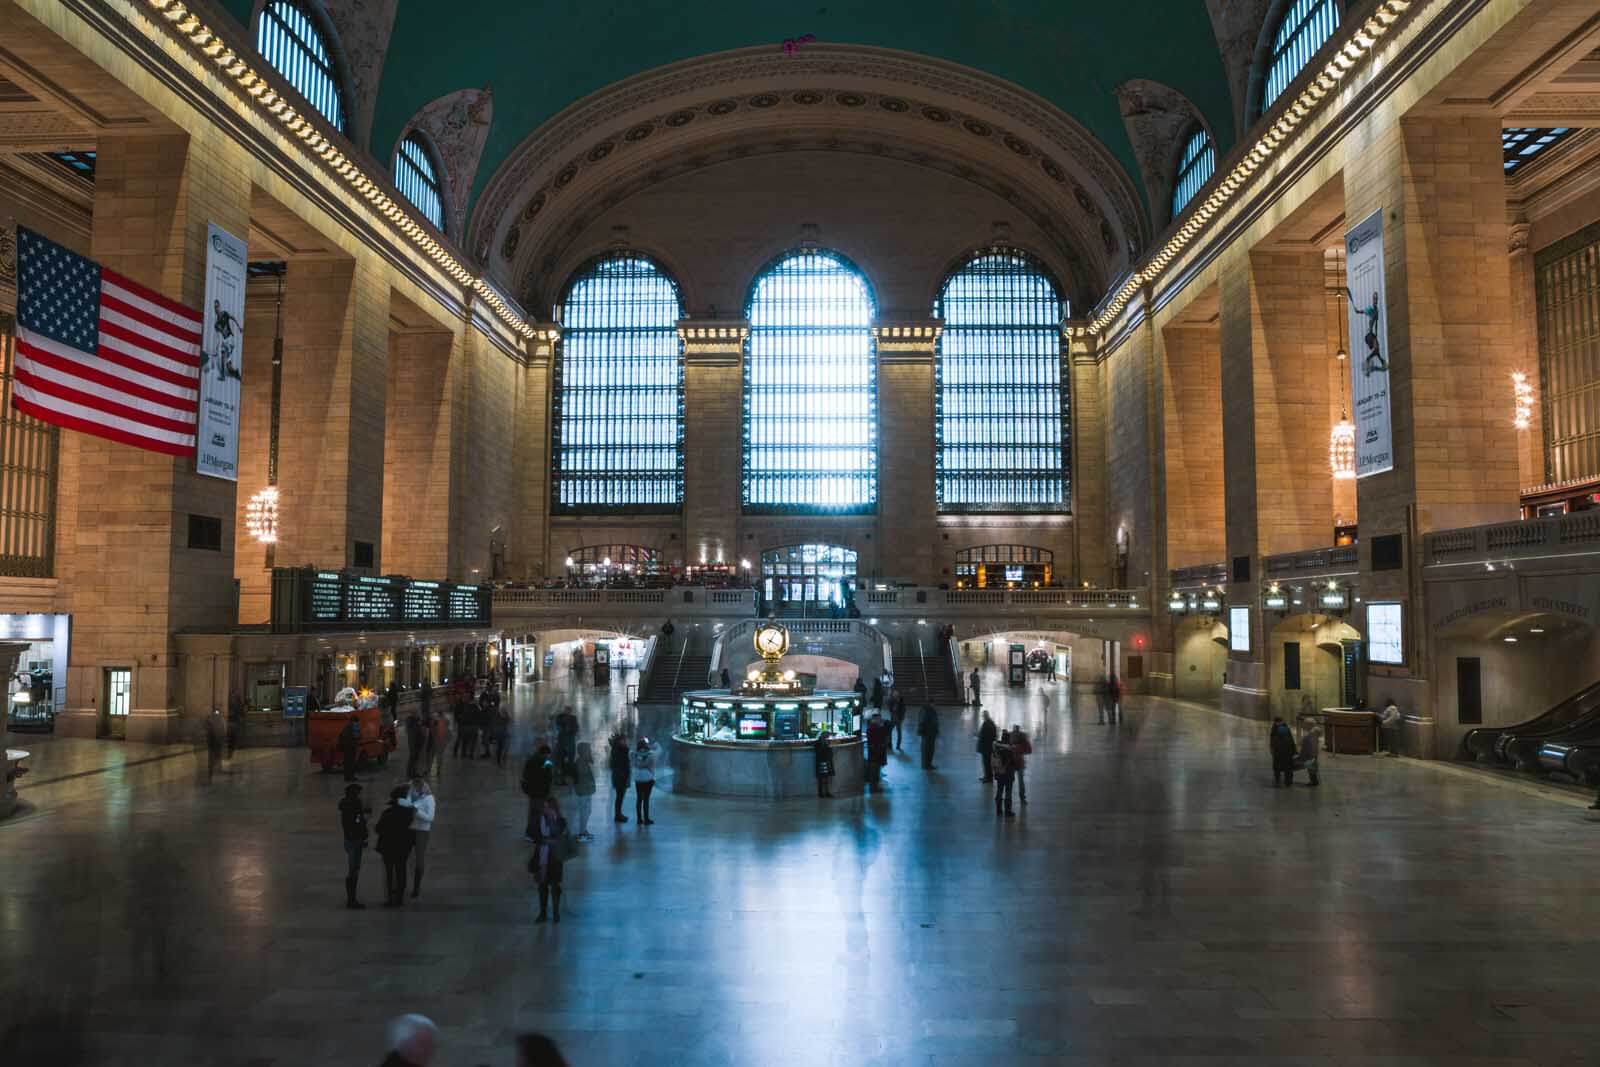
[
  {"x": 363, "y": 554},
  {"x": 618, "y": 410},
  {"x": 1000, "y": 388},
  {"x": 810, "y": 388},
  {"x": 205, "y": 532}
]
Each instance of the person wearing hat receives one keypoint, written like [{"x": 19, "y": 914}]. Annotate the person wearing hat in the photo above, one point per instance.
[
  {"x": 353, "y": 820},
  {"x": 644, "y": 780}
]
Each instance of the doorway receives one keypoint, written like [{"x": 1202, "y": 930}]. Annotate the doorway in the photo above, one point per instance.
[{"x": 117, "y": 699}]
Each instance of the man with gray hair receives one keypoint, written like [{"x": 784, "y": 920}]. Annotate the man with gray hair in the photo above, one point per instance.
[{"x": 411, "y": 1041}]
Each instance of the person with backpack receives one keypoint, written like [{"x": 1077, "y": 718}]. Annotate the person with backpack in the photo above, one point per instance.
[
  {"x": 538, "y": 778},
  {"x": 1021, "y": 749},
  {"x": 1004, "y": 764},
  {"x": 928, "y": 730},
  {"x": 394, "y": 845},
  {"x": 621, "y": 767}
]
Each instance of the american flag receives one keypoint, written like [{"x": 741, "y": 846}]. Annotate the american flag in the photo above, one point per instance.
[{"x": 101, "y": 354}]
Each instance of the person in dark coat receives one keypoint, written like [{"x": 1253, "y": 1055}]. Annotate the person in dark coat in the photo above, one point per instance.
[
  {"x": 974, "y": 683},
  {"x": 566, "y": 745},
  {"x": 353, "y": 821},
  {"x": 928, "y": 730},
  {"x": 824, "y": 754},
  {"x": 727, "y": 679},
  {"x": 1003, "y": 762},
  {"x": 987, "y": 734},
  {"x": 414, "y": 744},
  {"x": 549, "y": 830},
  {"x": 620, "y": 763},
  {"x": 1281, "y": 740},
  {"x": 877, "y": 693},
  {"x": 877, "y": 748},
  {"x": 215, "y": 729},
  {"x": 394, "y": 845},
  {"x": 897, "y": 716},
  {"x": 538, "y": 780},
  {"x": 350, "y": 746},
  {"x": 425, "y": 698}
]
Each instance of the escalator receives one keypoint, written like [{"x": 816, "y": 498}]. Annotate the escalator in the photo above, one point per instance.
[{"x": 1492, "y": 742}]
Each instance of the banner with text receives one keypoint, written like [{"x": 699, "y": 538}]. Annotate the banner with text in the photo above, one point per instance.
[
  {"x": 221, "y": 354},
  {"x": 1369, "y": 346}
]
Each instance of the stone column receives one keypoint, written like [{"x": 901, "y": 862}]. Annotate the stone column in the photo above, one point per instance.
[
  {"x": 1089, "y": 536},
  {"x": 330, "y": 454},
  {"x": 255, "y": 446},
  {"x": 1440, "y": 184},
  {"x": 1525, "y": 353},
  {"x": 907, "y": 529},
  {"x": 127, "y": 574},
  {"x": 1192, "y": 454},
  {"x": 531, "y": 547},
  {"x": 713, "y": 452},
  {"x": 420, "y": 423}
]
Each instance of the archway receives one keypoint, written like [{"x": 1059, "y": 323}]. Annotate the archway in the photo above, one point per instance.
[{"x": 1313, "y": 662}]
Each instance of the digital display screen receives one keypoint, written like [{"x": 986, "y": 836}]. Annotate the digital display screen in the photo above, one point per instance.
[
  {"x": 1013, "y": 574},
  {"x": 423, "y": 602},
  {"x": 370, "y": 600},
  {"x": 788, "y": 724},
  {"x": 753, "y": 727},
  {"x": 1239, "y": 628},
  {"x": 464, "y": 603},
  {"x": 1385, "y": 634}
]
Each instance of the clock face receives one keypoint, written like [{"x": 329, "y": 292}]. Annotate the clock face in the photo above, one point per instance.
[{"x": 772, "y": 640}]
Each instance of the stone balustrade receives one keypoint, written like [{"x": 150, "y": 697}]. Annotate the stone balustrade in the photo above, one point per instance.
[
  {"x": 675, "y": 601},
  {"x": 1556, "y": 535},
  {"x": 1316, "y": 563}
]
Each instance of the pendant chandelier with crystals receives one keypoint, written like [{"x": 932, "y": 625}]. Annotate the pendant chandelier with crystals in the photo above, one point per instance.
[
  {"x": 261, "y": 516},
  {"x": 1342, "y": 439},
  {"x": 1522, "y": 395}
]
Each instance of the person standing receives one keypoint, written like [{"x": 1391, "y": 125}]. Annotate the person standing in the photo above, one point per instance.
[
  {"x": 897, "y": 716},
  {"x": 644, "y": 780},
  {"x": 727, "y": 680},
  {"x": 425, "y": 699},
  {"x": 353, "y": 821},
  {"x": 1005, "y": 772},
  {"x": 824, "y": 756},
  {"x": 350, "y": 745},
  {"x": 502, "y": 731},
  {"x": 566, "y": 744},
  {"x": 1021, "y": 749},
  {"x": 928, "y": 730},
  {"x": 437, "y": 737},
  {"x": 583, "y": 789},
  {"x": 986, "y": 738},
  {"x": 877, "y": 749},
  {"x": 1102, "y": 697},
  {"x": 423, "y": 805},
  {"x": 1389, "y": 724},
  {"x": 621, "y": 773},
  {"x": 391, "y": 702},
  {"x": 394, "y": 845},
  {"x": 466, "y": 729},
  {"x": 235, "y": 721},
  {"x": 549, "y": 828},
  {"x": 877, "y": 693},
  {"x": 538, "y": 779},
  {"x": 1114, "y": 696},
  {"x": 215, "y": 728},
  {"x": 1281, "y": 741},
  {"x": 973, "y": 682},
  {"x": 414, "y": 744}
]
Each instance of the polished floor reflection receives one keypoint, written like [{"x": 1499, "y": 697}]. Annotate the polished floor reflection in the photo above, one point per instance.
[{"x": 1157, "y": 902}]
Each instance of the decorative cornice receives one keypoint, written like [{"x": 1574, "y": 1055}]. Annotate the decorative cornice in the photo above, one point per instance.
[
  {"x": 1317, "y": 95},
  {"x": 261, "y": 93}
]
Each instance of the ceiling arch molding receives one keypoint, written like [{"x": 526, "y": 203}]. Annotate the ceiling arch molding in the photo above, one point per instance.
[
  {"x": 548, "y": 253},
  {"x": 1159, "y": 119},
  {"x": 950, "y": 110}
]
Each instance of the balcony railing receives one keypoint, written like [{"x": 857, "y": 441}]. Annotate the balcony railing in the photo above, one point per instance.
[
  {"x": 1202, "y": 574},
  {"x": 677, "y": 600},
  {"x": 922, "y": 600},
  {"x": 1338, "y": 559},
  {"x": 1556, "y": 535}
]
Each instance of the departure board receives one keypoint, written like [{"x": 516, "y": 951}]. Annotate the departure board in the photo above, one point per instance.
[
  {"x": 464, "y": 606},
  {"x": 308, "y": 600},
  {"x": 326, "y": 598},
  {"x": 423, "y": 602}
]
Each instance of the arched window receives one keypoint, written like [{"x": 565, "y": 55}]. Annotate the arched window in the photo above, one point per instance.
[
  {"x": 1000, "y": 425},
  {"x": 417, "y": 178},
  {"x": 618, "y": 416},
  {"x": 287, "y": 36},
  {"x": 810, "y": 387},
  {"x": 1306, "y": 27},
  {"x": 1194, "y": 169}
]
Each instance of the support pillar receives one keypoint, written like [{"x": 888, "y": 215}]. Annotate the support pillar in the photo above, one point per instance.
[
  {"x": 907, "y": 520},
  {"x": 419, "y": 431},
  {"x": 713, "y": 453}
]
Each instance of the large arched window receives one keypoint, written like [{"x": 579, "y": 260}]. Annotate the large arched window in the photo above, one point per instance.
[
  {"x": 618, "y": 417},
  {"x": 810, "y": 387},
  {"x": 1001, "y": 388},
  {"x": 1194, "y": 169},
  {"x": 1305, "y": 28},
  {"x": 288, "y": 37},
  {"x": 417, "y": 177}
]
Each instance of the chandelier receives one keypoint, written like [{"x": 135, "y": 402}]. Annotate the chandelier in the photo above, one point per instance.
[
  {"x": 1342, "y": 449},
  {"x": 1522, "y": 396},
  {"x": 261, "y": 516}
]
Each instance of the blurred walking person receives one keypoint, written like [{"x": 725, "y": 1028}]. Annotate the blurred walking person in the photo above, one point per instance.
[
  {"x": 987, "y": 733},
  {"x": 538, "y": 779},
  {"x": 823, "y": 752},
  {"x": 897, "y": 716},
  {"x": 928, "y": 730},
  {"x": 549, "y": 828},
  {"x": 583, "y": 789},
  {"x": 621, "y": 768},
  {"x": 1021, "y": 749},
  {"x": 215, "y": 729}
]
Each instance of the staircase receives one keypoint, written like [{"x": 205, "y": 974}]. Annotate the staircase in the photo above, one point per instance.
[
  {"x": 930, "y": 679},
  {"x": 675, "y": 673}
]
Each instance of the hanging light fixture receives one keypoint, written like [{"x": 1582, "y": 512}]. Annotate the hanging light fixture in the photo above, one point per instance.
[
  {"x": 1522, "y": 397},
  {"x": 261, "y": 516},
  {"x": 1342, "y": 438}
]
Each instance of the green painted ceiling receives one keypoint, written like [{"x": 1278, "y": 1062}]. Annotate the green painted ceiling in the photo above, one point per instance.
[{"x": 542, "y": 57}]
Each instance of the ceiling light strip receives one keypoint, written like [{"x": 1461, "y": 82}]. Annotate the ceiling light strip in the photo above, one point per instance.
[
  {"x": 1311, "y": 99},
  {"x": 189, "y": 25}
]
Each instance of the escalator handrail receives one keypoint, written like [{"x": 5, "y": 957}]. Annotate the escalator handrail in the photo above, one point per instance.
[{"x": 1540, "y": 723}]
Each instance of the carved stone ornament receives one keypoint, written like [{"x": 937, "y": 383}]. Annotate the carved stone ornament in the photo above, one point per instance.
[
  {"x": 457, "y": 125},
  {"x": 1237, "y": 26},
  {"x": 1158, "y": 119}
]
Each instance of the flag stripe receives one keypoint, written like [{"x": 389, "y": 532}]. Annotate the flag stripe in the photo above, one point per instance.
[
  {"x": 173, "y": 388},
  {"x": 158, "y": 303},
  {"x": 120, "y": 326},
  {"x": 87, "y": 420},
  {"x": 78, "y": 374},
  {"x": 88, "y": 395},
  {"x": 159, "y": 328},
  {"x": 129, "y": 353}
]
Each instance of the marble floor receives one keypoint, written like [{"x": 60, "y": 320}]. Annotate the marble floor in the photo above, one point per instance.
[{"x": 1157, "y": 902}]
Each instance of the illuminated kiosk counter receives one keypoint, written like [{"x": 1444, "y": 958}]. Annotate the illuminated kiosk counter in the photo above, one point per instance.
[
  {"x": 738, "y": 745},
  {"x": 755, "y": 741}
]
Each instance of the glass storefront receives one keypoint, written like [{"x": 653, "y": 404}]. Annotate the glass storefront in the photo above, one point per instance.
[{"x": 822, "y": 575}]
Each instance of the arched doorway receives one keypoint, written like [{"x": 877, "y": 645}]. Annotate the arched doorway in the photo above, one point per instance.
[
  {"x": 1315, "y": 663},
  {"x": 808, "y": 579}
]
